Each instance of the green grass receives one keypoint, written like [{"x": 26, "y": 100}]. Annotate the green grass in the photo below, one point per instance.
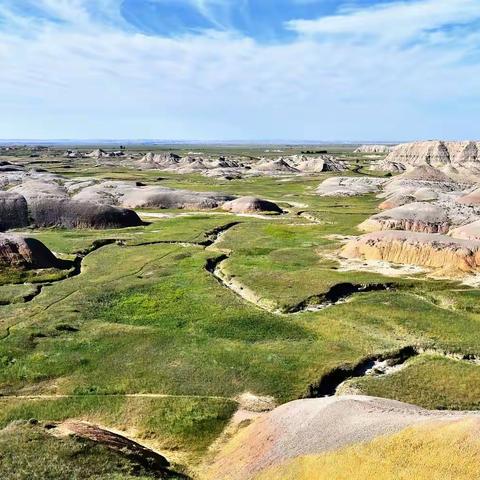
[
  {"x": 28, "y": 452},
  {"x": 429, "y": 381},
  {"x": 186, "y": 424},
  {"x": 150, "y": 319},
  {"x": 15, "y": 293}
]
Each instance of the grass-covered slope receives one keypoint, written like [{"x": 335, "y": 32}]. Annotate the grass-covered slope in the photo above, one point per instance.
[{"x": 29, "y": 452}]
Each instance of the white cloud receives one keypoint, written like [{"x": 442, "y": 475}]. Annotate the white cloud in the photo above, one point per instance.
[
  {"x": 391, "y": 21},
  {"x": 89, "y": 78}
]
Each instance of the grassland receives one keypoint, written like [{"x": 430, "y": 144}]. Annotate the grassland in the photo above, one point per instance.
[
  {"x": 144, "y": 319},
  {"x": 429, "y": 381},
  {"x": 28, "y": 452}
]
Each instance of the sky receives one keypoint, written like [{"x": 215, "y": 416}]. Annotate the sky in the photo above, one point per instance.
[{"x": 319, "y": 70}]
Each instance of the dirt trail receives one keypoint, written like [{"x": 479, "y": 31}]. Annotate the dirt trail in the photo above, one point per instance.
[{"x": 57, "y": 396}]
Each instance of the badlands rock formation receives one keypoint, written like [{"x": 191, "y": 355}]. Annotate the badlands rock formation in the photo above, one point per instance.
[
  {"x": 162, "y": 197},
  {"x": 387, "y": 166},
  {"x": 450, "y": 255},
  {"x": 128, "y": 194},
  {"x": 349, "y": 186},
  {"x": 251, "y": 205},
  {"x": 423, "y": 176},
  {"x": 237, "y": 167},
  {"x": 13, "y": 211},
  {"x": 22, "y": 252},
  {"x": 472, "y": 198},
  {"x": 460, "y": 160},
  {"x": 396, "y": 200},
  {"x": 373, "y": 149},
  {"x": 315, "y": 426},
  {"x": 275, "y": 167},
  {"x": 45, "y": 200},
  {"x": 49, "y": 205},
  {"x": 415, "y": 217},
  {"x": 471, "y": 231},
  {"x": 317, "y": 164}
]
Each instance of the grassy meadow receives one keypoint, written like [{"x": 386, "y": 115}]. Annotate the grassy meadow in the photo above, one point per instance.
[{"x": 147, "y": 341}]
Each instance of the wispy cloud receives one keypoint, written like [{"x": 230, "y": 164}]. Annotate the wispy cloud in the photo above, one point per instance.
[{"x": 77, "y": 68}]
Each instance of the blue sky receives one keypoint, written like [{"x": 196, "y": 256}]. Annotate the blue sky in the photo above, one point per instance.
[{"x": 240, "y": 69}]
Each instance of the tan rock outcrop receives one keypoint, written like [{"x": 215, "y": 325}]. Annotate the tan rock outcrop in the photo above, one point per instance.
[{"x": 450, "y": 255}]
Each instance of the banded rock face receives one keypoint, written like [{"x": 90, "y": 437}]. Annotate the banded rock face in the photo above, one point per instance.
[
  {"x": 450, "y": 255},
  {"x": 22, "y": 252},
  {"x": 437, "y": 153},
  {"x": 415, "y": 217}
]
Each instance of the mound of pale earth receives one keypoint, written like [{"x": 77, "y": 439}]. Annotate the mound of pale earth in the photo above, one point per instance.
[
  {"x": 396, "y": 200},
  {"x": 471, "y": 231},
  {"x": 349, "y": 186},
  {"x": 450, "y": 255},
  {"x": 223, "y": 173},
  {"x": 414, "y": 217},
  {"x": 65, "y": 213},
  {"x": 318, "y": 164},
  {"x": 13, "y": 211},
  {"x": 472, "y": 198},
  {"x": 312, "y": 427},
  {"x": 373, "y": 149},
  {"x": 129, "y": 195},
  {"x": 31, "y": 189},
  {"x": 275, "y": 167},
  {"x": 429, "y": 451},
  {"x": 161, "y": 160},
  {"x": 105, "y": 192},
  {"x": 163, "y": 197},
  {"x": 422, "y": 177},
  {"x": 251, "y": 205},
  {"x": 23, "y": 252},
  {"x": 425, "y": 173},
  {"x": 425, "y": 194},
  {"x": 387, "y": 166}
]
